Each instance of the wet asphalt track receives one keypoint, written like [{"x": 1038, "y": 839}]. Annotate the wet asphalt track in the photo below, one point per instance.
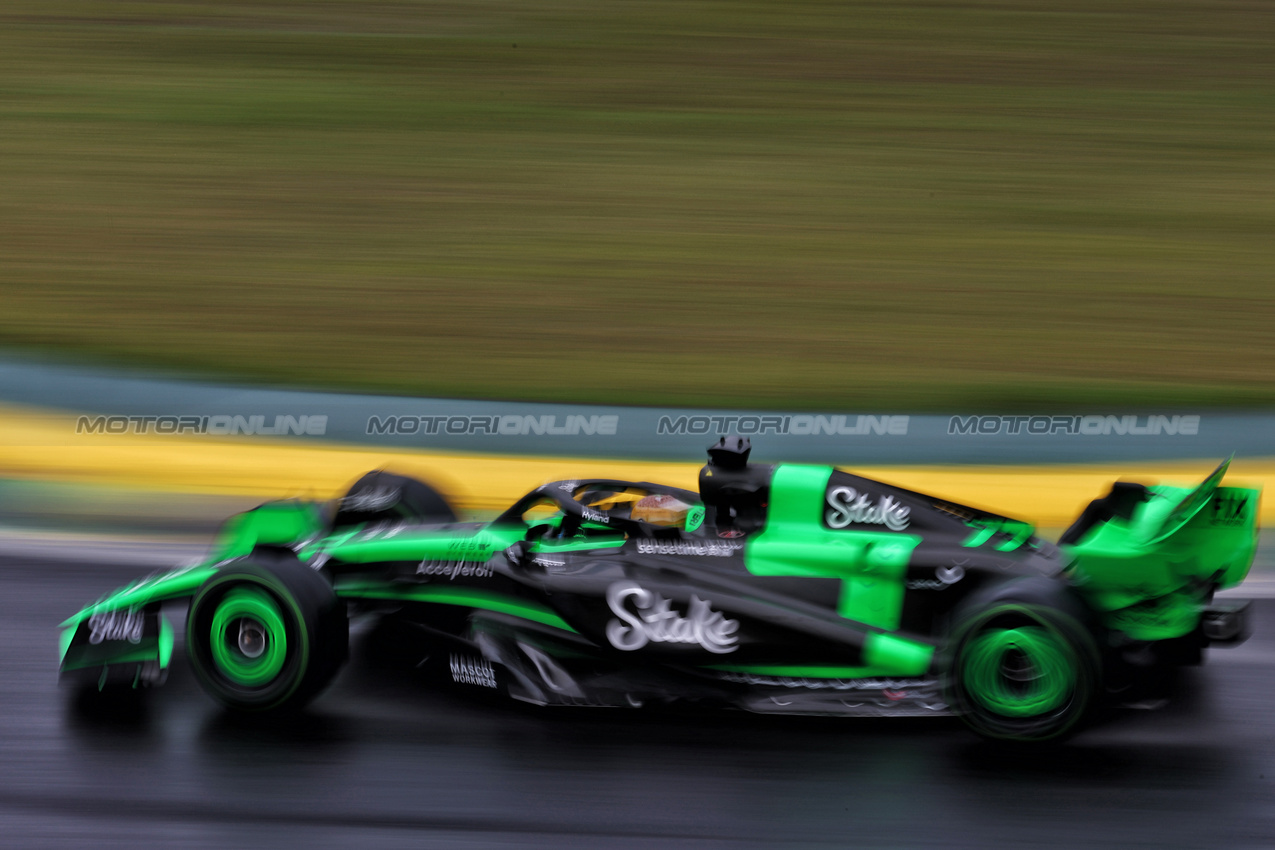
[{"x": 383, "y": 761}]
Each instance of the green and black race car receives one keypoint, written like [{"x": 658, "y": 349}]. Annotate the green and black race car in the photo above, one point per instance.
[{"x": 791, "y": 589}]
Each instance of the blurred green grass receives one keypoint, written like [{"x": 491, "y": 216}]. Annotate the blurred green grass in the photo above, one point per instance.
[{"x": 998, "y": 205}]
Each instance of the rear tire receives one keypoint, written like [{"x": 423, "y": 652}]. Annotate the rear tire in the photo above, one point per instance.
[
  {"x": 265, "y": 634},
  {"x": 1022, "y": 663}
]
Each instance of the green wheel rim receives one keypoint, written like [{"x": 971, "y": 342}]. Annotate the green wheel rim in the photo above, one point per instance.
[
  {"x": 248, "y": 608},
  {"x": 1020, "y": 672}
]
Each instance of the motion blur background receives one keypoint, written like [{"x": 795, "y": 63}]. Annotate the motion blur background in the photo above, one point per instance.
[
  {"x": 915, "y": 206},
  {"x": 892, "y": 207}
]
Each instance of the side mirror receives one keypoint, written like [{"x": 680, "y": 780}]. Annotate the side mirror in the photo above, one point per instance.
[{"x": 516, "y": 554}]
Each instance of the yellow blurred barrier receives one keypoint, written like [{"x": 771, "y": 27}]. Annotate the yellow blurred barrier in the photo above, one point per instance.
[{"x": 44, "y": 446}]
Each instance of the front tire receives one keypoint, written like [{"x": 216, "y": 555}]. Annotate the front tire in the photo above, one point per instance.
[
  {"x": 1022, "y": 664},
  {"x": 267, "y": 633}
]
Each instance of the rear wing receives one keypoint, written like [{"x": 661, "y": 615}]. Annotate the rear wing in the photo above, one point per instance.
[
  {"x": 1144, "y": 543},
  {"x": 1184, "y": 511},
  {"x": 1221, "y": 535}
]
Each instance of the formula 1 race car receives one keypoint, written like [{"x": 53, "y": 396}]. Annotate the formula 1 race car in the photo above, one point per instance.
[{"x": 791, "y": 589}]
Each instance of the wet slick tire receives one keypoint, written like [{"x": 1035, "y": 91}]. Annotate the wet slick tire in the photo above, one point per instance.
[
  {"x": 1022, "y": 664},
  {"x": 266, "y": 634}
]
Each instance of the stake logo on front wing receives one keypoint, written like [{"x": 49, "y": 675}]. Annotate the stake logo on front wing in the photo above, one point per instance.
[
  {"x": 847, "y": 505},
  {"x": 652, "y": 619},
  {"x": 116, "y": 625}
]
